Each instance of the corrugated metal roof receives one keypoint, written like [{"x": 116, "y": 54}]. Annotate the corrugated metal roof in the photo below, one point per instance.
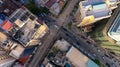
[{"x": 6, "y": 25}]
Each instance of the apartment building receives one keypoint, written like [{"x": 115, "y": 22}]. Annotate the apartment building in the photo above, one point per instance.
[
  {"x": 114, "y": 30},
  {"x": 95, "y": 10},
  {"x": 27, "y": 29},
  {"x": 55, "y": 6},
  {"x": 6, "y": 60},
  {"x": 20, "y": 32}
]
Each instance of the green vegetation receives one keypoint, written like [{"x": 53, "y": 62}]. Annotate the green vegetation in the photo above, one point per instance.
[
  {"x": 45, "y": 10},
  {"x": 55, "y": 50},
  {"x": 35, "y": 10},
  {"x": 99, "y": 63},
  {"x": 70, "y": 25},
  {"x": 80, "y": 29},
  {"x": 31, "y": 6},
  {"x": 97, "y": 35}
]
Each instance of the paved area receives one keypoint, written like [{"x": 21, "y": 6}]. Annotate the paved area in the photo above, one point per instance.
[{"x": 65, "y": 15}]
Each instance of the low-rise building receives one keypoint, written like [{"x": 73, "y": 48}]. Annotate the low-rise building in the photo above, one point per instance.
[
  {"x": 20, "y": 32},
  {"x": 19, "y": 51},
  {"x": 7, "y": 7},
  {"x": 55, "y": 6},
  {"x": 27, "y": 29},
  {"x": 77, "y": 59},
  {"x": 6, "y": 60}
]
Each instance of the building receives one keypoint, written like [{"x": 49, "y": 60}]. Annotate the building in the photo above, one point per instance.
[
  {"x": 7, "y": 7},
  {"x": 114, "y": 30},
  {"x": 95, "y": 10},
  {"x": 27, "y": 29},
  {"x": 55, "y": 6},
  {"x": 77, "y": 59},
  {"x": 6, "y": 60},
  {"x": 6, "y": 25},
  {"x": 20, "y": 32},
  {"x": 19, "y": 51}
]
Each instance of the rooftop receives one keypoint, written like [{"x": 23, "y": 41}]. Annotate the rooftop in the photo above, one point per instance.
[
  {"x": 5, "y": 58},
  {"x": 8, "y": 7},
  {"x": 6, "y": 25},
  {"x": 49, "y": 3},
  {"x": 27, "y": 31},
  {"x": 76, "y": 57},
  {"x": 3, "y": 37},
  {"x": 116, "y": 25},
  {"x": 97, "y": 8},
  {"x": 17, "y": 51}
]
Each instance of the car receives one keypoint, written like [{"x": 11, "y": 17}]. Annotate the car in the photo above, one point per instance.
[
  {"x": 108, "y": 65},
  {"x": 103, "y": 58},
  {"x": 114, "y": 65},
  {"x": 98, "y": 50},
  {"x": 44, "y": 14},
  {"x": 81, "y": 49},
  {"x": 94, "y": 55},
  {"x": 106, "y": 55},
  {"x": 85, "y": 52},
  {"x": 88, "y": 42}
]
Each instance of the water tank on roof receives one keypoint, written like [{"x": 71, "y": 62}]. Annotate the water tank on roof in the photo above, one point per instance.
[{"x": 6, "y": 10}]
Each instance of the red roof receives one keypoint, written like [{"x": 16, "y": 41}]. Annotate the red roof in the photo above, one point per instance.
[
  {"x": 6, "y": 25},
  {"x": 50, "y": 3},
  {"x": 24, "y": 59}
]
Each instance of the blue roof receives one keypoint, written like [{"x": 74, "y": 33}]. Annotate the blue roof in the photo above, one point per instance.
[
  {"x": 99, "y": 6},
  {"x": 1, "y": 21},
  {"x": 90, "y": 63},
  {"x": 28, "y": 51},
  {"x": 2, "y": 16}
]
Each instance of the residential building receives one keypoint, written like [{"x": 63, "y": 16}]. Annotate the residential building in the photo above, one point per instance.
[
  {"x": 27, "y": 29},
  {"x": 7, "y": 7},
  {"x": 95, "y": 10},
  {"x": 20, "y": 32},
  {"x": 114, "y": 30},
  {"x": 40, "y": 2},
  {"x": 6, "y": 25},
  {"x": 6, "y": 60},
  {"x": 19, "y": 51},
  {"x": 77, "y": 59},
  {"x": 55, "y": 6}
]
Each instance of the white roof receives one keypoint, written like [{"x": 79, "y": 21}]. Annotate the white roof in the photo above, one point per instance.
[
  {"x": 3, "y": 37},
  {"x": 77, "y": 58},
  {"x": 17, "y": 51}
]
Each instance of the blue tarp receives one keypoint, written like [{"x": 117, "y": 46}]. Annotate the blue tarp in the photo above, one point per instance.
[
  {"x": 28, "y": 51},
  {"x": 2, "y": 16}
]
